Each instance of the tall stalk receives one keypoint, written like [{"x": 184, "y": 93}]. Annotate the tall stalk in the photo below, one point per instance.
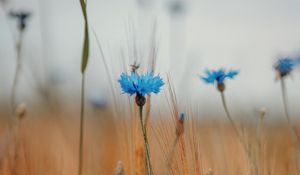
[
  {"x": 285, "y": 105},
  {"x": 293, "y": 133},
  {"x": 259, "y": 152},
  {"x": 237, "y": 132},
  {"x": 16, "y": 75},
  {"x": 146, "y": 143},
  {"x": 171, "y": 155},
  {"x": 85, "y": 58},
  {"x": 81, "y": 133}
]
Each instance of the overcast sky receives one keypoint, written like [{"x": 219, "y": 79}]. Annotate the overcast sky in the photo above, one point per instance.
[{"x": 244, "y": 35}]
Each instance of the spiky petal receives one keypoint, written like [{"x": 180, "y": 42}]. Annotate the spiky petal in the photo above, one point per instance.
[
  {"x": 284, "y": 66},
  {"x": 218, "y": 76},
  {"x": 141, "y": 85}
]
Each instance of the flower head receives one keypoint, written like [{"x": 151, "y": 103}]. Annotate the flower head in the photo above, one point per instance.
[
  {"x": 218, "y": 76},
  {"x": 22, "y": 17},
  {"x": 284, "y": 66},
  {"x": 140, "y": 84}
]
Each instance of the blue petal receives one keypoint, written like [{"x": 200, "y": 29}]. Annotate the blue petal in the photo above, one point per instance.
[
  {"x": 127, "y": 83},
  {"x": 232, "y": 73},
  {"x": 182, "y": 117},
  {"x": 218, "y": 76},
  {"x": 143, "y": 85},
  {"x": 285, "y": 65},
  {"x": 209, "y": 78}
]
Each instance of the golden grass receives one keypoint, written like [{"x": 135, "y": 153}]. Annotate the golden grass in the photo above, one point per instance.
[{"x": 49, "y": 145}]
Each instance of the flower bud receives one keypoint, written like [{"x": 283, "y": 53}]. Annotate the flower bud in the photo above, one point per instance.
[
  {"x": 140, "y": 100},
  {"x": 221, "y": 87},
  {"x": 180, "y": 125}
]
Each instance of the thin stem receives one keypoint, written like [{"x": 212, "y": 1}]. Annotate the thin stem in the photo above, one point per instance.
[
  {"x": 285, "y": 105},
  {"x": 228, "y": 115},
  {"x": 292, "y": 131},
  {"x": 148, "y": 106},
  {"x": 14, "y": 124},
  {"x": 80, "y": 162},
  {"x": 146, "y": 143},
  {"x": 259, "y": 151},
  {"x": 17, "y": 74},
  {"x": 171, "y": 155},
  {"x": 237, "y": 132}
]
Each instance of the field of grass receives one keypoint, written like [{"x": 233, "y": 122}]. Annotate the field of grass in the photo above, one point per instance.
[{"x": 48, "y": 144}]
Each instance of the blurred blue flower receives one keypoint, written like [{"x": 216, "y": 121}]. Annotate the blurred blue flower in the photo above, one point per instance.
[
  {"x": 182, "y": 117},
  {"x": 97, "y": 100},
  {"x": 22, "y": 17},
  {"x": 284, "y": 66},
  {"x": 140, "y": 84},
  {"x": 218, "y": 76}
]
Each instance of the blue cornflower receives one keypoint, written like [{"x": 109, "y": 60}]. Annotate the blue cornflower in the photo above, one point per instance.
[
  {"x": 141, "y": 85},
  {"x": 218, "y": 77},
  {"x": 284, "y": 66}
]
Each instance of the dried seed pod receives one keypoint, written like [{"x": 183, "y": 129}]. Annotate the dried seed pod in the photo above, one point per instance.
[
  {"x": 262, "y": 112},
  {"x": 119, "y": 168},
  {"x": 209, "y": 172},
  {"x": 21, "y": 110}
]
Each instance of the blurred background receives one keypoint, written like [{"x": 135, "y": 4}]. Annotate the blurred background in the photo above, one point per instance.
[{"x": 190, "y": 36}]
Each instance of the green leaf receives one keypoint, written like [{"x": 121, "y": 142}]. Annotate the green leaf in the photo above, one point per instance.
[{"x": 85, "y": 49}]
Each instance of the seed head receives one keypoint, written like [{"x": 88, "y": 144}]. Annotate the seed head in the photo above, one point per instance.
[
  {"x": 119, "y": 168},
  {"x": 21, "y": 110},
  {"x": 262, "y": 112}
]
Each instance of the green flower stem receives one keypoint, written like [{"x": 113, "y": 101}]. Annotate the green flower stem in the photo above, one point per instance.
[
  {"x": 17, "y": 74},
  {"x": 252, "y": 162},
  {"x": 81, "y": 134},
  {"x": 295, "y": 140},
  {"x": 146, "y": 143},
  {"x": 285, "y": 105}
]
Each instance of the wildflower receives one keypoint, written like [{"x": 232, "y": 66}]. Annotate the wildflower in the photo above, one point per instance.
[
  {"x": 97, "y": 101},
  {"x": 218, "y": 76},
  {"x": 141, "y": 85},
  {"x": 284, "y": 66},
  {"x": 22, "y": 17}
]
